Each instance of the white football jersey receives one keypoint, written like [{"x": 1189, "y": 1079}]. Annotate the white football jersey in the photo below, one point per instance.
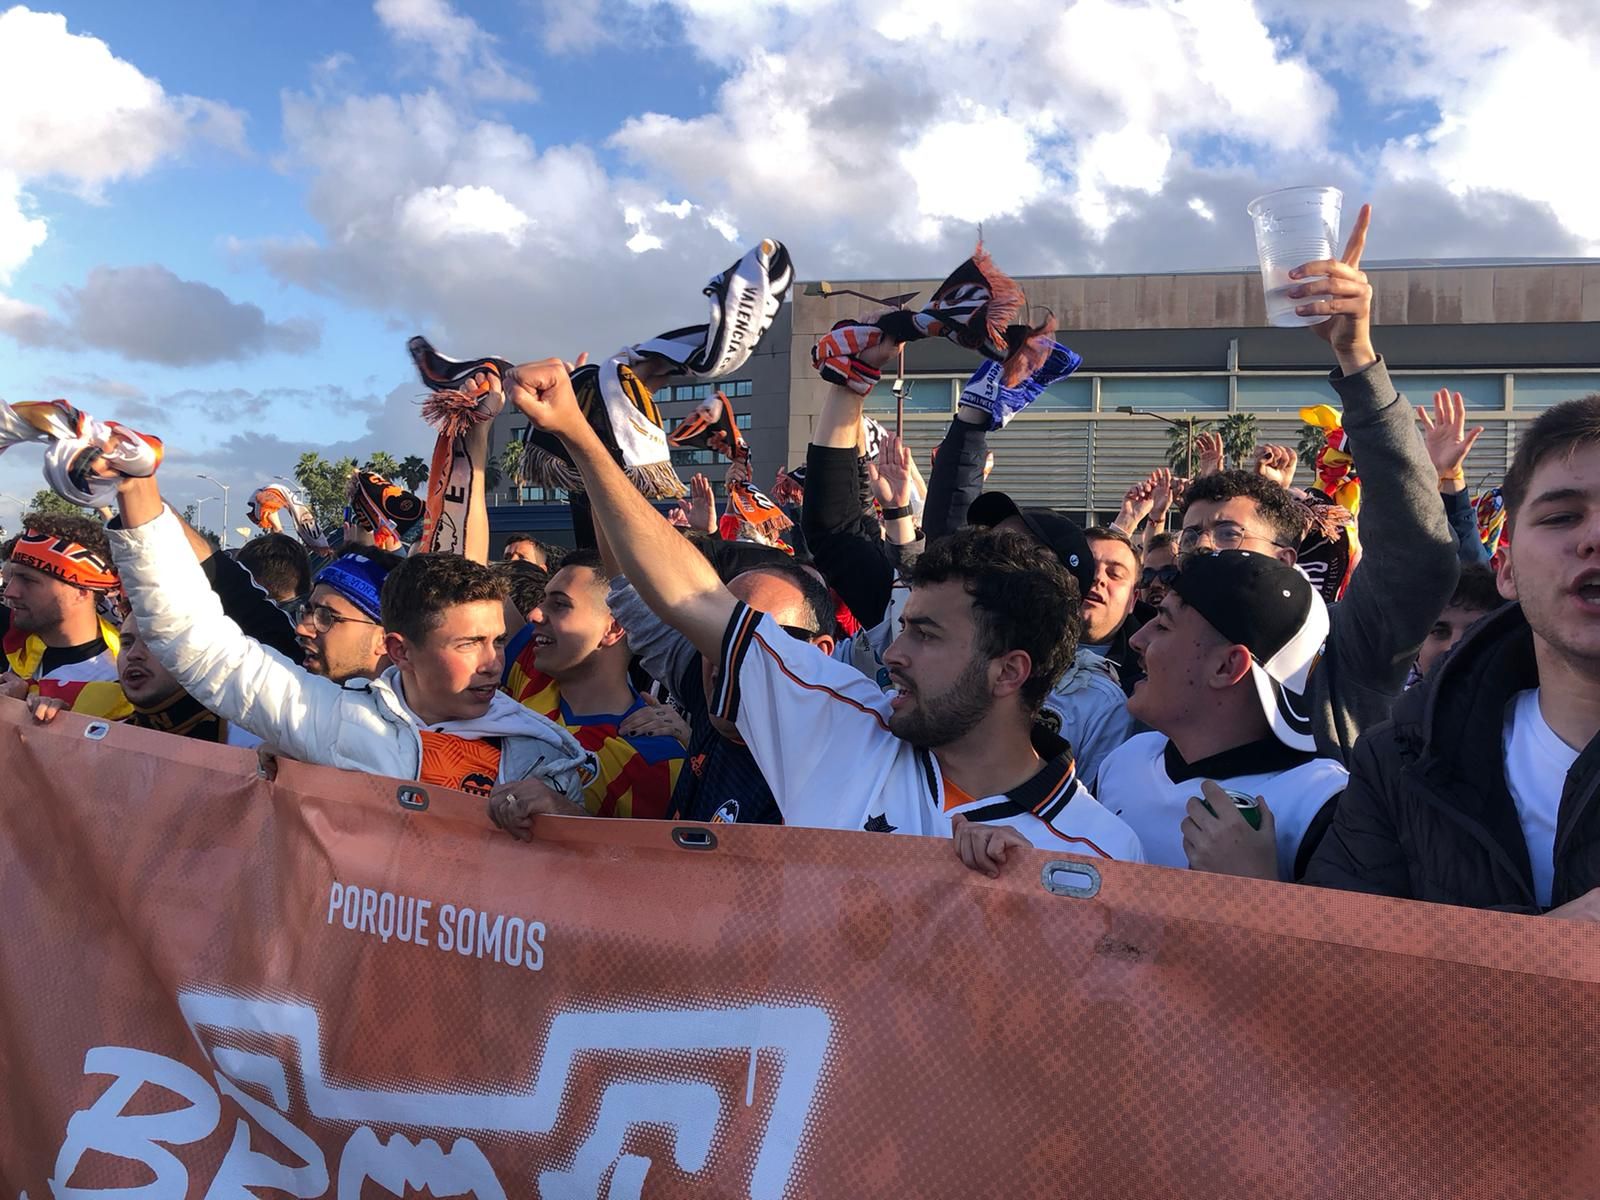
[
  {"x": 1147, "y": 784},
  {"x": 819, "y": 731}
]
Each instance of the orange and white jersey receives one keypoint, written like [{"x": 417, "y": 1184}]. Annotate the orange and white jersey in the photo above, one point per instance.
[{"x": 819, "y": 731}]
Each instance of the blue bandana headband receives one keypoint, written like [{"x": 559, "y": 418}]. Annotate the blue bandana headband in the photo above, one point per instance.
[{"x": 359, "y": 580}]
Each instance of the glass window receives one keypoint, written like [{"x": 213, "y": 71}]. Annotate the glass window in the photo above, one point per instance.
[
  {"x": 1285, "y": 394},
  {"x": 1541, "y": 391},
  {"x": 742, "y": 387},
  {"x": 1479, "y": 391},
  {"x": 1181, "y": 394},
  {"x": 922, "y": 395},
  {"x": 742, "y": 420},
  {"x": 1073, "y": 394}
]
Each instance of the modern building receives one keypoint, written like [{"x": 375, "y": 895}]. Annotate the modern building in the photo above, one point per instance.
[{"x": 1513, "y": 337}]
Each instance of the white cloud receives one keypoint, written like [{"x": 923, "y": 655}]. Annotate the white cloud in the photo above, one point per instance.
[
  {"x": 941, "y": 164},
  {"x": 436, "y": 214},
  {"x": 1504, "y": 93},
  {"x": 871, "y": 137},
  {"x": 1510, "y": 126},
  {"x": 73, "y": 114},
  {"x": 20, "y": 232},
  {"x": 455, "y": 49}
]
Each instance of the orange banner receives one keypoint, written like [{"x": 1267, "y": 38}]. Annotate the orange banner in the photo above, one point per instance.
[{"x": 340, "y": 985}]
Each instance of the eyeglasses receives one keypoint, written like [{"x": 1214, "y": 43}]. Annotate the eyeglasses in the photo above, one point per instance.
[
  {"x": 794, "y": 631},
  {"x": 1224, "y": 535},
  {"x": 1165, "y": 576},
  {"x": 322, "y": 618}
]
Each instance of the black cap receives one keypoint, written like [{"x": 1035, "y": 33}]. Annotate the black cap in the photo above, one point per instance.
[
  {"x": 1061, "y": 534},
  {"x": 1271, "y": 609}
]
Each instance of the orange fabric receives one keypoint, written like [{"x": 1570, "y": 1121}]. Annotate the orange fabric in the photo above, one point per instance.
[
  {"x": 954, "y": 796},
  {"x": 792, "y": 1013},
  {"x": 466, "y": 764}
]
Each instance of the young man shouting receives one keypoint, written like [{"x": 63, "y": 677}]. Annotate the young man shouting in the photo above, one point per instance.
[
  {"x": 340, "y": 626},
  {"x": 988, "y": 628},
  {"x": 1229, "y": 651},
  {"x": 1484, "y": 789}
]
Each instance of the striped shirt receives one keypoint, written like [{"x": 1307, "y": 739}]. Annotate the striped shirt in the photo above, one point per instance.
[
  {"x": 850, "y": 771},
  {"x": 637, "y": 774}
]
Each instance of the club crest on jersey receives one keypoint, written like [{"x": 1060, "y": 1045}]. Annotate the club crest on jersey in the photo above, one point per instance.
[{"x": 727, "y": 814}]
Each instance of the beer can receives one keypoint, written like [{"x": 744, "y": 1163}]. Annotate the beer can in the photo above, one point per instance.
[
  {"x": 1248, "y": 808},
  {"x": 1246, "y": 804}
]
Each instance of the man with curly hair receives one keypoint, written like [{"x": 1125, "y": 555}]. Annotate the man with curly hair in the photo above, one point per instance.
[
  {"x": 58, "y": 645},
  {"x": 987, "y": 630}
]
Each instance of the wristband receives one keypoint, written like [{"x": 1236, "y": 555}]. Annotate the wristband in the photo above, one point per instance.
[
  {"x": 895, "y": 514},
  {"x": 1459, "y": 475}
]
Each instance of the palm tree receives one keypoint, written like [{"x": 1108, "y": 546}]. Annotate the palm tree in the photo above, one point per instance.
[
  {"x": 413, "y": 472},
  {"x": 1180, "y": 454},
  {"x": 1312, "y": 439},
  {"x": 383, "y": 463},
  {"x": 1238, "y": 432},
  {"x": 510, "y": 464}
]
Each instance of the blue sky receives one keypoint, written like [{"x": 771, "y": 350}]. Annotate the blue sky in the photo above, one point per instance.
[{"x": 220, "y": 222}]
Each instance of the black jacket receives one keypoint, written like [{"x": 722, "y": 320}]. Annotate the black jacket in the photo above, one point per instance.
[{"x": 1428, "y": 815}]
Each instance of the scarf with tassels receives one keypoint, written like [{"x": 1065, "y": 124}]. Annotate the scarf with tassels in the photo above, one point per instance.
[
  {"x": 978, "y": 307},
  {"x": 622, "y": 412},
  {"x": 751, "y": 505},
  {"x": 386, "y": 510},
  {"x": 269, "y": 503},
  {"x": 77, "y": 444},
  {"x": 462, "y": 395}
]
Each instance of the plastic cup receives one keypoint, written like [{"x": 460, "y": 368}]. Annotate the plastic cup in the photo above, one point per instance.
[{"x": 1293, "y": 226}]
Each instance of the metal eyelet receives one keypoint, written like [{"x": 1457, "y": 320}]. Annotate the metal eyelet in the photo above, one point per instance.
[
  {"x": 691, "y": 838},
  {"x": 1076, "y": 879},
  {"x": 413, "y": 798},
  {"x": 96, "y": 730}
]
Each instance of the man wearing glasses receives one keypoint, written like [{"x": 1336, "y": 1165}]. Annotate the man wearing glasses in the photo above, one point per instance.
[{"x": 339, "y": 628}]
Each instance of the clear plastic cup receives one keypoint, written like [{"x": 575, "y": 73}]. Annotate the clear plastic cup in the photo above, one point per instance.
[{"x": 1293, "y": 226}]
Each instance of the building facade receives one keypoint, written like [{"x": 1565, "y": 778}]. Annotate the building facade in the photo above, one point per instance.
[{"x": 1511, "y": 337}]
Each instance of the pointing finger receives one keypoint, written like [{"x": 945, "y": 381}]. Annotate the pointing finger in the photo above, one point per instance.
[{"x": 1358, "y": 237}]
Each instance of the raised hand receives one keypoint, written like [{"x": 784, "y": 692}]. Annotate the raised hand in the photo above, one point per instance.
[
  {"x": 1161, "y": 492},
  {"x": 1447, "y": 438},
  {"x": 892, "y": 473},
  {"x": 1277, "y": 463},
  {"x": 1344, "y": 295},
  {"x": 1208, "y": 453},
  {"x": 1136, "y": 504},
  {"x": 701, "y": 507},
  {"x": 542, "y": 392}
]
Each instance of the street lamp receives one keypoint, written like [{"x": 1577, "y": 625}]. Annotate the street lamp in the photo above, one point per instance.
[
  {"x": 1187, "y": 423},
  {"x": 224, "y": 487}
]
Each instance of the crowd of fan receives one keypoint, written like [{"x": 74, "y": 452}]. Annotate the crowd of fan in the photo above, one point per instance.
[{"x": 1232, "y": 675}]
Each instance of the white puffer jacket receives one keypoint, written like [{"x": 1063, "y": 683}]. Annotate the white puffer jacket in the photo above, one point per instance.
[{"x": 363, "y": 726}]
